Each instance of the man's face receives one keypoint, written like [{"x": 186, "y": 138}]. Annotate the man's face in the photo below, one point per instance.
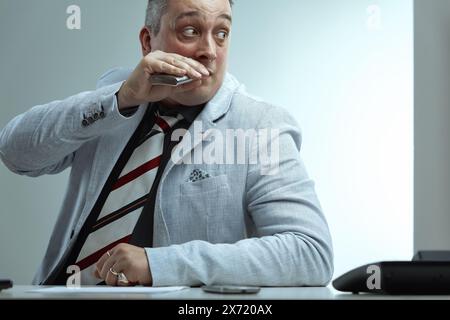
[{"x": 197, "y": 29}]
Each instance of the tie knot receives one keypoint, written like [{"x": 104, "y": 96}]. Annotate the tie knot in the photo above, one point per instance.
[{"x": 166, "y": 120}]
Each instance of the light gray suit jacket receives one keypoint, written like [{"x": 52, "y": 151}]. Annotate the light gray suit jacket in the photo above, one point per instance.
[{"x": 236, "y": 227}]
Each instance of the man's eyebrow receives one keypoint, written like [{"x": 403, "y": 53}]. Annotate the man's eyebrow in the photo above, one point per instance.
[
  {"x": 196, "y": 14},
  {"x": 226, "y": 17},
  {"x": 187, "y": 14}
]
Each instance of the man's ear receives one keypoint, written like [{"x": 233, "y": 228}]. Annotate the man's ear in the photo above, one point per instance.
[{"x": 145, "y": 37}]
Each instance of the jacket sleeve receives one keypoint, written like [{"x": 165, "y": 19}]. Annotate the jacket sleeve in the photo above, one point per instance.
[
  {"x": 44, "y": 139},
  {"x": 293, "y": 245}
]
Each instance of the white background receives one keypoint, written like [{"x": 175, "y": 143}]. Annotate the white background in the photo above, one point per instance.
[{"x": 348, "y": 79}]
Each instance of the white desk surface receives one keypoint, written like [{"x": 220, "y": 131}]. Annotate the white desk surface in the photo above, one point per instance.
[{"x": 19, "y": 292}]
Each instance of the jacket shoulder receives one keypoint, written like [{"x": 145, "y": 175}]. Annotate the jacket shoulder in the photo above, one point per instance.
[{"x": 259, "y": 112}]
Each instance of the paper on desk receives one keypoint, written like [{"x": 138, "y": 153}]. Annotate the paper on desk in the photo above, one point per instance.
[{"x": 106, "y": 289}]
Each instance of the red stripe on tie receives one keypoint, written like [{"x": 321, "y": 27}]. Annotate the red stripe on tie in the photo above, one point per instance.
[
  {"x": 93, "y": 258},
  {"x": 136, "y": 173},
  {"x": 162, "y": 124},
  {"x": 119, "y": 214}
]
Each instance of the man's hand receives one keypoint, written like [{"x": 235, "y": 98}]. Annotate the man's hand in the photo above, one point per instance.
[
  {"x": 137, "y": 89},
  {"x": 127, "y": 259}
]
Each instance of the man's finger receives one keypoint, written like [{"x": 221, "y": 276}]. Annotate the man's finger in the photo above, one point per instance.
[
  {"x": 191, "y": 72},
  {"x": 100, "y": 263},
  {"x": 164, "y": 67},
  {"x": 107, "y": 265},
  {"x": 194, "y": 64},
  {"x": 123, "y": 266},
  {"x": 111, "y": 278}
]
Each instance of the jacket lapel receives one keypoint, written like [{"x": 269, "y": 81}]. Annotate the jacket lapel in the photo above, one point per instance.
[{"x": 214, "y": 110}]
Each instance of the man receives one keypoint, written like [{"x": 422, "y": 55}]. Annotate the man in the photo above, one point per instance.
[{"x": 126, "y": 220}]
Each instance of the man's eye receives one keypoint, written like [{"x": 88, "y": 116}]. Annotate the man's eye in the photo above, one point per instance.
[
  {"x": 222, "y": 35},
  {"x": 190, "y": 32}
]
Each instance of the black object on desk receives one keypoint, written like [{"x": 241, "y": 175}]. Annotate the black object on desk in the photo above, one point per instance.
[
  {"x": 428, "y": 273},
  {"x": 5, "y": 284}
]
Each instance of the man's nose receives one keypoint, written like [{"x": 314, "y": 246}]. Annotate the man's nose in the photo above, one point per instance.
[{"x": 207, "y": 49}]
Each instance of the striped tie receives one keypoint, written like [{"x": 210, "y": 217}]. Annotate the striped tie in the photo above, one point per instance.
[{"x": 126, "y": 200}]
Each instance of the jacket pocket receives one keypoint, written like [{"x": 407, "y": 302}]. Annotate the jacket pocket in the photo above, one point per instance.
[
  {"x": 205, "y": 186},
  {"x": 209, "y": 201}
]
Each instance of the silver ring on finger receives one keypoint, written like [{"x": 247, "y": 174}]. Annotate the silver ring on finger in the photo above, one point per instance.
[
  {"x": 115, "y": 273},
  {"x": 122, "y": 278}
]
